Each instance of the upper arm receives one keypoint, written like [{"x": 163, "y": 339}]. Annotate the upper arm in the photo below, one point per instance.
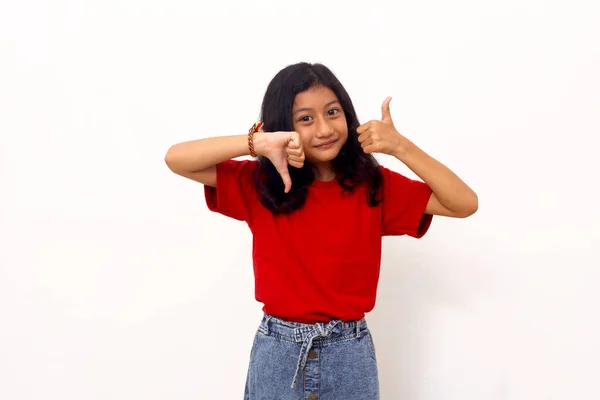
[
  {"x": 206, "y": 176},
  {"x": 434, "y": 207}
]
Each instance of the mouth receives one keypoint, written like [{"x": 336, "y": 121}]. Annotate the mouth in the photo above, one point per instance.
[{"x": 327, "y": 144}]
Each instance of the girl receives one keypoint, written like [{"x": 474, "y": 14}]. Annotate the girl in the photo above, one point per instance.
[{"x": 317, "y": 204}]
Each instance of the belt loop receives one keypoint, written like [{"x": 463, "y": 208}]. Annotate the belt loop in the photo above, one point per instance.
[
  {"x": 357, "y": 329},
  {"x": 268, "y": 318}
]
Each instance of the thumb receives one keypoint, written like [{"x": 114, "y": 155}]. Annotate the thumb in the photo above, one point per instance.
[
  {"x": 294, "y": 141},
  {"x": 285, "y": 176},
  {"x": 385, "y": 109}
]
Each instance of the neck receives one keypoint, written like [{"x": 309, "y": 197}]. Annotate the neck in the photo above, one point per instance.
[{"x": 324, "y": 172}]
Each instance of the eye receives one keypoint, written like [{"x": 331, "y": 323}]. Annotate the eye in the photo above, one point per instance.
[
  {"x": 333, "y": 111},
  {"x": 305, "y": 118}
]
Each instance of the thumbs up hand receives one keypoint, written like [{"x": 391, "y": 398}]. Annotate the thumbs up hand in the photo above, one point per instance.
[{"x": 381, "y": 136}]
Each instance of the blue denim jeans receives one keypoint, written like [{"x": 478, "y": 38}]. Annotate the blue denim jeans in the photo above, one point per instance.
[{"x": 323, "y": 361}]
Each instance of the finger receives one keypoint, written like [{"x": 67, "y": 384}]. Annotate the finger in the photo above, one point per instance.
[
  {"x": 363, "y": 137},
  {"x": 363, "y": 128},
  {"x": 285, "y": 176},
  {"x": 296, "y": 163},
  {"x": 295, "y": 152},
  {"x": 296, "y": 159},
  {"x": 369, "y": 149},
  {"x": 386, "y": 115},
  {"x": 366, "y": 143}
]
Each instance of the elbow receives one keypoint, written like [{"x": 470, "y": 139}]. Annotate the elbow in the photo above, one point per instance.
[
  {"x": 171, "y": 159},
  {"x": 471, "y": 206}
]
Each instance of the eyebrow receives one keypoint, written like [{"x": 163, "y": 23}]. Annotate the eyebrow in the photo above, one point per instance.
[{"x": 310, "y": 109}]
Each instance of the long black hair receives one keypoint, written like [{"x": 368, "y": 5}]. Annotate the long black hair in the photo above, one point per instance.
[{"x": 352, "y": 165}]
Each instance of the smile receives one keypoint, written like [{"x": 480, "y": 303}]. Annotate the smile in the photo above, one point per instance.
[{"x": 327, "y": 145}]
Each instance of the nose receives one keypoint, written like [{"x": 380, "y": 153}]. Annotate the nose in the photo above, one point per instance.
[{"x": 324, "y": 129}]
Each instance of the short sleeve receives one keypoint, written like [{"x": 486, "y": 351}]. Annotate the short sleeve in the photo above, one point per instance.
[
  {"x": 235, "y": 189},
  {"x": 404, "y": 202}
]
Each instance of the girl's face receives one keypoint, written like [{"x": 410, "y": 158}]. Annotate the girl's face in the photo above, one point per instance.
[{"x": 320, "y": 121}]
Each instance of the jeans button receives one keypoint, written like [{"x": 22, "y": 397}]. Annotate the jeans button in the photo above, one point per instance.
[{"x": 312, "y": 354}]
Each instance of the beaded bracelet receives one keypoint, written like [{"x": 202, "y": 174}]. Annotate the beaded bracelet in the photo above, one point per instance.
[{"x": 255, "y": 128}]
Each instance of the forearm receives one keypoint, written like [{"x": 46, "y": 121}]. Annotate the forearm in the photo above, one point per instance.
[
  {"x": 197, "y": 155},
  {"x": 449, "y": 189}
]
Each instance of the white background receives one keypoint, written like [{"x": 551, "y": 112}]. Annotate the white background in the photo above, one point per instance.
[{"x": 116, "y": 282}]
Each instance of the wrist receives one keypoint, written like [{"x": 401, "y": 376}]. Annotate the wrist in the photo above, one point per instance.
[
  {"x": 256, "y": 128},
  {"x": 403, "y": 148},
  {"x": 259, "y": 143}
]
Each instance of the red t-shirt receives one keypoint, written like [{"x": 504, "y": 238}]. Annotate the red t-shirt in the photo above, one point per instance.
[{"x": 320, "y": 262}]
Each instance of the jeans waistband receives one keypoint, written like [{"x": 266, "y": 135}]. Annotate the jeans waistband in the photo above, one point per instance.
[{"x": 324, "y": 332}]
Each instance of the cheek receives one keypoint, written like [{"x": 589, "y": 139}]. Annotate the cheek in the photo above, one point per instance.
[
  {"x": 305, "y": 137},
  {"x": 342, "y": 126},
  {"x": 343, "y": 130}
]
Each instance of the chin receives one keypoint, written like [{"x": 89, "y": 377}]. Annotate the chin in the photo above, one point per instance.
[{"x": 326, "y": 156}]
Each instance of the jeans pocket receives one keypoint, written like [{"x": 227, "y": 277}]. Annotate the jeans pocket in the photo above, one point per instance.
[
  {"x": 254, "y": 345},
  {"x": 371, "y": 345}
]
